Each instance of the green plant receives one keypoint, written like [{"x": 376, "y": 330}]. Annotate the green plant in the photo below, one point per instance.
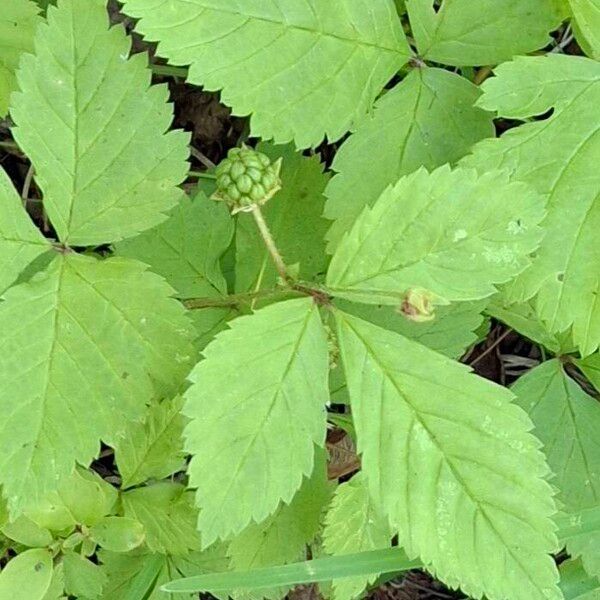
[{"x": 170, "y": 365}]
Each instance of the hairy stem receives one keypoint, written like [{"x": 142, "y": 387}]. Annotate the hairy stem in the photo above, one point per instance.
[{"x": 265, "y": 233}]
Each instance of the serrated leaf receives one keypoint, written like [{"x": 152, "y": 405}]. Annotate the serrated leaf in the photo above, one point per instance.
[
  {"x": 95, "y": 130},
  {"x": 257, "y": 409},
  {"x": 166, "y": 510},
  {"x": 353, "y": 524},
  {"x": 554, "y": 156},
  {"x": 267, "y": 58},
  {"x": 295, "y": 221},
  {"x": 487, "y": 32},
  {"x": 18, "y": 23},
  {"x": 567, "y": 422},
  {"x": 450, "y": 459},
  {"x": 586, "y": 24},
  {"x": 576, "y": 584},
  {"x": 27, "y": 576},
  {"x": 118, "y": 534},
  {"x": 426, "y": 120},
  {"x": 590, "y": 365},
  {"x": 84, "y": 337},
  {"x": 153, "y": 448},
  {"x": 20, "y": 240},
  {"x": 580, "y": 531},
  {"x": 83, "y": 578},
  {"x": 450, "y": 232}
]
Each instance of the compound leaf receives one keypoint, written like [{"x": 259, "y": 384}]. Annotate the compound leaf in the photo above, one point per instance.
[
  {"x": 294, "y": 217},
  {"x": 18, "y": 23},
  {"x": 464, "y": 33},
  {"x": 153, "y": 448},
  {"x": 166, "y": 510},
  {"x": 586, "y": 24},
  {"x": 84, "y": 337},
  {"x": 353, "y": 524},
  {"x": 426, "y": 120},
  {"x": 554, "y": 156},
  {"x": 95, "y": 130},
  {"x": 448, "y": 232},
  {"x": 20, "y": 241},
  {"x": 257, "y": 409},
  {"x": 450, "y": 459},
  {"x": 268, "y": 58}
]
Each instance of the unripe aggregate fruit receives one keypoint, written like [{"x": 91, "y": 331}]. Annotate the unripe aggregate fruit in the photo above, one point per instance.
[{"x": 246, "y": 179}]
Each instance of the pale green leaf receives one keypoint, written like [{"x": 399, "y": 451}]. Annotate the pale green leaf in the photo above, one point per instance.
[
  {"x": 353, "y": 524},
  {"x": 18, "y": 21},
  {"x": 450, "y": 459},
  {"x": 586, "y": 23},
  {"x": 208, "y": 322},
  {"x": 83, "y": 578},
  {"x": 576, "y": 584},
  {"x": 567, "y": 422},
  {"x": 166, "y": 510},
  {"x": 118, "y": 534},
  {"x": 304, "y": 70},
  {"x": 85, "y": 337},
  {"x": 450, "y": 232},
  {"x": 24, "y": 531},
  {"x": 20, "y": 240},
  {"x": 187, "y": 247},
  {"x": 467, "y": 33},
  {"x": 590, "y": 365},
  {"x": 95, "y": 130},
  {"x": 153, "y": 448},
  {"x": 57, "y": 585},
  {"x": 554, "y": 156},
  {"x": 257, "y": 406},
  {"x": 580, "y": 531},
  {"x": 27, "y": 576},
  {"x": 295, "y": 221},
  {"x": 426, "y": 120}
]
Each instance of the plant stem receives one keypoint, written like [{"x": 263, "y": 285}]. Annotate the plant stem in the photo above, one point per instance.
[
  {"x": 202, "y": 175},
  {"x": 265, "y": 233},
  {"x": 234, "y": 300}
]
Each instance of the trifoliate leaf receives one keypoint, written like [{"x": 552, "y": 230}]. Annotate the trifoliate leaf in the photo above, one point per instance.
[
  {"x": 269, "y": 58},
  {"x": 353, "y": 524},
  {"x": 576, "y": 584},
  {"x": 83, "y": 578},
  {"x": 84, "y": 337},
  {"x": 118, "y": 534},
  {"x": 554, "y": 156},
  {"x": 580, "y": 531},
  {"x": 257, "y": 409},
  {"x": 153, "y": 448},
  {"x": 567, "y": 422},
  {"x": 590, "y": 365},
  {"x": 166, "y": 510},
  {"x": 295, "y": 221},
  {"x": 426, "y": 120},
  {"x": 187, "y": 247},
  {"x": 27, "y": 576},
  {"x": 18, "y": 22},
  {"x": 467, "y": 33},
  {"x": 20, "y": 241},
  {"x": 450, "y": 459},
  {"x": 586, "y": 24},
  {"x": 95, "y": 130},
  {"x": 449, "y": 233}
]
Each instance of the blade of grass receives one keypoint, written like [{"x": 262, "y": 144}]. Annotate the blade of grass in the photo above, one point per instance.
[{"x": 389, "y": 560}]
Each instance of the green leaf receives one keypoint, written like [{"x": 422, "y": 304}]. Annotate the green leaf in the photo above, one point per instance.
[
  {"x": 166, "y": 510},
  {"x": 57, "y": 585},
  {"x": 295, "y": 221},
  {"x": 426, "y": 120},
  {"x": 567, "y": 422},
  {"x": 118, "y": 534},
  {"x": 390, "y": 560},
  {"x": 586, "y": 24},
  {"x": 18, "y": 23},
  {"x": 95, "y": 130},
  {"x": 268, "y": 58},
  {"x": 82, "y": 577},
  {"x": 27, "y": 576},
  {"x": 580, "y": 531},
  {"x": 24, "y": 531},
  {"x": 86, "y": 337},
  {"x": 576, "y": 584},
  {"x": 257, "y": 409},
  {"x": 448, "y": 232},
  {"x": 554, "y": 156},
  {"x": 353, "y": 524},
  {"x": 450, "y": 459},
  {"x": 187, "y": 247},
  {"x": 467, "y": 33},
  {"x": 590, "y": 365},
  {"x": 20, "y": 240}
]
